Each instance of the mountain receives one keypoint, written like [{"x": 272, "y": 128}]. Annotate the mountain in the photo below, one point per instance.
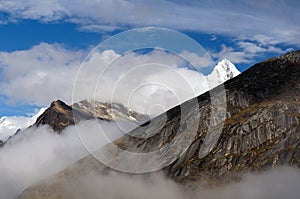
[
  {"x": 60, "y": 115},
  {"x": 10, "y": 125},
  {"x": 223, "y": 71},
  {"x": 261, "y": 130}
]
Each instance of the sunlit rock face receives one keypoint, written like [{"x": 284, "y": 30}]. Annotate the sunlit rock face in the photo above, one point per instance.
[
  {"x": 260, "y": 130},
  {"x": 60, "y": 115}
]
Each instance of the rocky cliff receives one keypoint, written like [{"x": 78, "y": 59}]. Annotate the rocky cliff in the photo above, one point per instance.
[
  {"x": 60, "y": 115},
  {"x": 260, "y": 128}
]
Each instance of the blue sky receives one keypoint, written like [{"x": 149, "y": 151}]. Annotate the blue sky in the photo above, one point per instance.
[{"x": 242, "y": 31}]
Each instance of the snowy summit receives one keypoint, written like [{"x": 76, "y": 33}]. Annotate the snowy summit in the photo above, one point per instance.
[
  {"x": 10, "y": 125},
  {"x": 222, "y": 72}
]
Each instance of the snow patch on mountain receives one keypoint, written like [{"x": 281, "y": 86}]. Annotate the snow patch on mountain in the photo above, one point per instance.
[
  {"x": 10, "y": 125},
  {"x": 222, "y": 72}
]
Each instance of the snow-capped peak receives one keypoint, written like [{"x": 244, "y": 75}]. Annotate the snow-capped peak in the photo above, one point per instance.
[
  {"x": 222, "y": 72},
  {"x": 10, "y": 125},
  {"x": 226, "y": 70}
]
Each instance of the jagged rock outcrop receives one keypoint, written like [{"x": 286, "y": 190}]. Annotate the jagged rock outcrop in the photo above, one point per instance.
[
  {"x": 261, "y": 130},
  {"x": 60, "y": 115}
]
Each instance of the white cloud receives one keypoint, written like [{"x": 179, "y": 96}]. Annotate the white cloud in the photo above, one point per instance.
[
  {"x": 274, "y": 183},
  {"x": 140, "y": 81},
  {"x": 40, "y": 74},
  {"x": 213, "y": 37},
  {"x": 233, "y": 55},
  {"x": 47, "y": 72},
  {"x": 33, "y": 9},
  {"x": 270, "y": 21},
  {"x": 196, "y": 60},
  {"x": 252, "y": 48},
  {"x": 38, "y": 153},
  {"x": 10, "y": 125},
  {"x": 98, "y": 28},
  {"x": 247, "y": 51}
]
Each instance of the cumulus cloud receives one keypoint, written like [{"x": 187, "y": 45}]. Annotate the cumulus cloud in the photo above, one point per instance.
[
  {"x": 247, "y": 51},
  {"x": 48, "y": 72},
  {"x": 37, "y": 153},
  {"x": 254, "y": 20},
  {"x": 10, "y": 125},
  {"x": 141, "y": 81},
  {"x": 40, "y": 74}
]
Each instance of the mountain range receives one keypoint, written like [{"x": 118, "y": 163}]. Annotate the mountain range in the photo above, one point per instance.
[
  {"x": 252, "y": 123},
  {"x": 60, "y": 115}
]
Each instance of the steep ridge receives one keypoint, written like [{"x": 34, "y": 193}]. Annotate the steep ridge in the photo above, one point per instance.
[
  {"x": 60, "y": 115},
  {"x": 261, "y": 130}
]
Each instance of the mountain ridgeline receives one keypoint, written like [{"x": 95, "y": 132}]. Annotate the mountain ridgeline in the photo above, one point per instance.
[
  {"x": 261, "y": 130},
  {"x": 60, "y": 115}
]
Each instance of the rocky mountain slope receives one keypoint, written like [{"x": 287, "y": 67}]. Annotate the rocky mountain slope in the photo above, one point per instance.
[
  {"x": 261, "y": 130},
  {"x": 60, "y": 115}
]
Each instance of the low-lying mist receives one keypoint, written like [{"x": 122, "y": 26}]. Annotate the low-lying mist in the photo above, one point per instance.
[
  {"x": 38, "y": 153},
  {"x": 276, "y": 183}
]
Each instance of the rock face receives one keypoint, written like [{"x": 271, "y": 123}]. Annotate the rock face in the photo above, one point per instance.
[
  {"x": 261, "y": 130},
  {"x": 60, "y": 115}
]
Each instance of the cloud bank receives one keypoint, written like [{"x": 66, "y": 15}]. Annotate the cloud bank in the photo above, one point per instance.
[
  {"x": 10, "y": 125},
  {"x": 37, "y": 153},
  {"x": 32, "y": 76},
  {"x": 148, "y": 83},
  {"x": 273, "y": 184}
]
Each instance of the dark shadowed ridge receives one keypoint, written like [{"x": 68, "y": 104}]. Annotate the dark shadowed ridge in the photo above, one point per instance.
[
  {"x": 58, "y": 116},
  {"x": 261, "y": 131}
]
